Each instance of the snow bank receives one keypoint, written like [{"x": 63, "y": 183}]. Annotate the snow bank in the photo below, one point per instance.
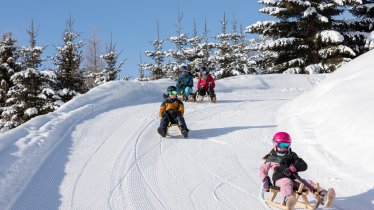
[{"x": 338, "y": 114}]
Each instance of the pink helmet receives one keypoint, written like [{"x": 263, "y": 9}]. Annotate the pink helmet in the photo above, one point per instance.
[{"x": 282, "y": 137}]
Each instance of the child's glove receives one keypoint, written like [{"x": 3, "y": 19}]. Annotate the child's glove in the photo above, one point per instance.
[
  {"x": 288, "y": 171},
  {"x": 266, "y": 183},
  {"x": 164, "y": 113}
]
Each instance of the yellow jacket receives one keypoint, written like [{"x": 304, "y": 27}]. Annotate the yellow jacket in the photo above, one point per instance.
[{"x": 174, "y": 104}]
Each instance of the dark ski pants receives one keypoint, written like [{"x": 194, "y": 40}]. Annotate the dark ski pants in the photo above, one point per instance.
[
  {"x": 202, "y": 92},
  {"x": 178, "y": 119}
]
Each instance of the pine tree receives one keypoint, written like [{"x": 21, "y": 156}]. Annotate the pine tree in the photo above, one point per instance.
[
  {"x": 111, "y": 68},
  {"x": 261, "y": 58},
  {"x": 9, "y": 65},
  {"x": 194, "y": 53},
  {"x": 207, "y": 49},
  {"x": 179, "y": 56},
  {"x": 142, "y": 76},
  {"x": 157, "y": 69},
  {"x": 224, "y": 57},
  {"x": 93, "y": 65},
  {"x": 359, "y": 31},
  {"x": 303, "y": 38},
  {"x": 68, "y": 60},
  {"x": 241, "y": 64},
  {"x": 28, "y": 97}
]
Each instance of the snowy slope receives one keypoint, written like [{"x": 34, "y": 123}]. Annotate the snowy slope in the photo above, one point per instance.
[{"x": 101, "y": 150}]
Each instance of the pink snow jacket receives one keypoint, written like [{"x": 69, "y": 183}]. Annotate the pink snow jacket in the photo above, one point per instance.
[
  {"x": 278, "y": 162},
  {"x": 205, "y": 83}
]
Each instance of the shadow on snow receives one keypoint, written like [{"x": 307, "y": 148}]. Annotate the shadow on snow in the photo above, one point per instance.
[{"x": 214, "y": 132}]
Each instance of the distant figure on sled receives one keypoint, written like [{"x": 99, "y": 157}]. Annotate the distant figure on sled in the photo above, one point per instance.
[
  {"x": 171, "y": 113},
  {"x": 205, "y": 86},
  {"x": 285, "y": 165},
  {"x": 184, "y": 84}
]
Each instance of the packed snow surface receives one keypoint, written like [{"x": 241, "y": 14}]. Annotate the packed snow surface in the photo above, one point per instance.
[{"x": 101, "y": 150}]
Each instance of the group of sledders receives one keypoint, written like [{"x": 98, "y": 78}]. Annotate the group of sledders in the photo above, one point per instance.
[
  {"x": 281, "y": 160},
  {"x": 172, "y": 108}
]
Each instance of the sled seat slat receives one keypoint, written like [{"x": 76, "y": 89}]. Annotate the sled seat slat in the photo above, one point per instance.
[{"x": 295, "y": 189}]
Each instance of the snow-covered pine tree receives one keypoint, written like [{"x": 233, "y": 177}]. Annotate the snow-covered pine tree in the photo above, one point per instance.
[
  {"x": 68, "y": 60},
  {"x": 9, "y": 65},
  {"x": 303, "y": 38},
  {"x": 261, "y": 58},
  {"x": 207, "y": 48},
  {"x": 242, "y": 64},
  {"x": 157, "y": 69},
  {"x": 93, "y": 63},
  {"x": 180, "y": 41},
  {"x": 111, "y": 68},
  {"x": 360, "y": 31},
  {"x": 31, "y": 95},
  {"x": 194, "y": 53},
  {"x": 142, "y": 76},
  {"x": 224, "y": 55}
]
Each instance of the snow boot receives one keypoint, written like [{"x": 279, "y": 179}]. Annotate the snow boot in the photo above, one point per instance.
[
  {"x": 185, "y": 132},
  {"x": 190, "y": 98},
  {"x": 328, "y": 197},
  {"x": 162, "y": 131},
  {"x": 290, "y": 202},
  {"x": 213, "y": 98}
]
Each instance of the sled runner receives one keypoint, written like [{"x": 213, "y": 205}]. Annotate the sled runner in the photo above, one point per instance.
[
  {"x": 301, "y": 196},
  {"x": 180, "y": 96}
]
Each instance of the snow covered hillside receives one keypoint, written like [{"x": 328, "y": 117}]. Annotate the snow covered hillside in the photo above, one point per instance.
[{"x": 102, "y": 151}]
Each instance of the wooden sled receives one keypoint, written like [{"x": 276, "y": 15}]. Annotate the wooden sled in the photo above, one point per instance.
[
  {"x": 199, "y": 98},
  {"x": 180, "y": 96},
  {"x": 175, "y": 124},
  {"x": 189, "y": 99},
  {"x": 301, "y": 197}
]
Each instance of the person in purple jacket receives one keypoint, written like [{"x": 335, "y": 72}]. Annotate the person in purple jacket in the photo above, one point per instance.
[{"x": 284, "y": 163}]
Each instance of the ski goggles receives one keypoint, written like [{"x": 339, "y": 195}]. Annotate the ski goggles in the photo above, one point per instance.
[
  {"x": 184, "y": 70},
  {"x": 283, "y": 145},
  {"x": 174, "y": 92}
]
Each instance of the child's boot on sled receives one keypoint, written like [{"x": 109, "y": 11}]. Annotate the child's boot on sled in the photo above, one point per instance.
[
  {"x": 290, "y": 202},
  {"x": 162, "y": 131},
  {"x": 328, "y": 197},
  {"x": 184, "y": 131}
]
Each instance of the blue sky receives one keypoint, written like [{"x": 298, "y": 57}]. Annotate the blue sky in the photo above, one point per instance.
[{"x": 132, "y": 23}]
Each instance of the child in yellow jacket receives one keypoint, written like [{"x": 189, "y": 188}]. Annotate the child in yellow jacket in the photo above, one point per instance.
[{"x": 171, "y": 111}]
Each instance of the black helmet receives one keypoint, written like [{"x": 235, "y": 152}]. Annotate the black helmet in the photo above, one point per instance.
[{"x": 171, "y": 88}]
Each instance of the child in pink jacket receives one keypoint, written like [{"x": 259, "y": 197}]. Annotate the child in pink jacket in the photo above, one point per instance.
[
  {"x": 206, "y": 84},
  {"x": 284, "y": 163}
]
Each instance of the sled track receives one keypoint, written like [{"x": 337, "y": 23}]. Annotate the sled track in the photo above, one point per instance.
[
  {"x": 214, "y": 174},
  {"x": 86, "y": 164},
  {"x": 119, "y": 184},
  {"x": 170, "y": 172},
  {"x": 208, "y": 170}
]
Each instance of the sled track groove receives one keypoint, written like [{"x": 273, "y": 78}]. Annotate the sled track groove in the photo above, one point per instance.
[
  {"x": 169, "y": 170},
  {"x": 86, "y": 164},
  {"x": 120, "y": 164},
  {"x": 136, "y": 164}
]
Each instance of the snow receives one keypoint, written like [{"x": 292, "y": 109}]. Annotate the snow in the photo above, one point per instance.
[
  {"x": 101, "y": 149},
  {"x": 331, "y": 36}
]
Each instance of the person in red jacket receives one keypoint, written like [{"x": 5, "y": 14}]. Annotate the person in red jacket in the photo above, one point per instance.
[{"x": 206, "y": 85}]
